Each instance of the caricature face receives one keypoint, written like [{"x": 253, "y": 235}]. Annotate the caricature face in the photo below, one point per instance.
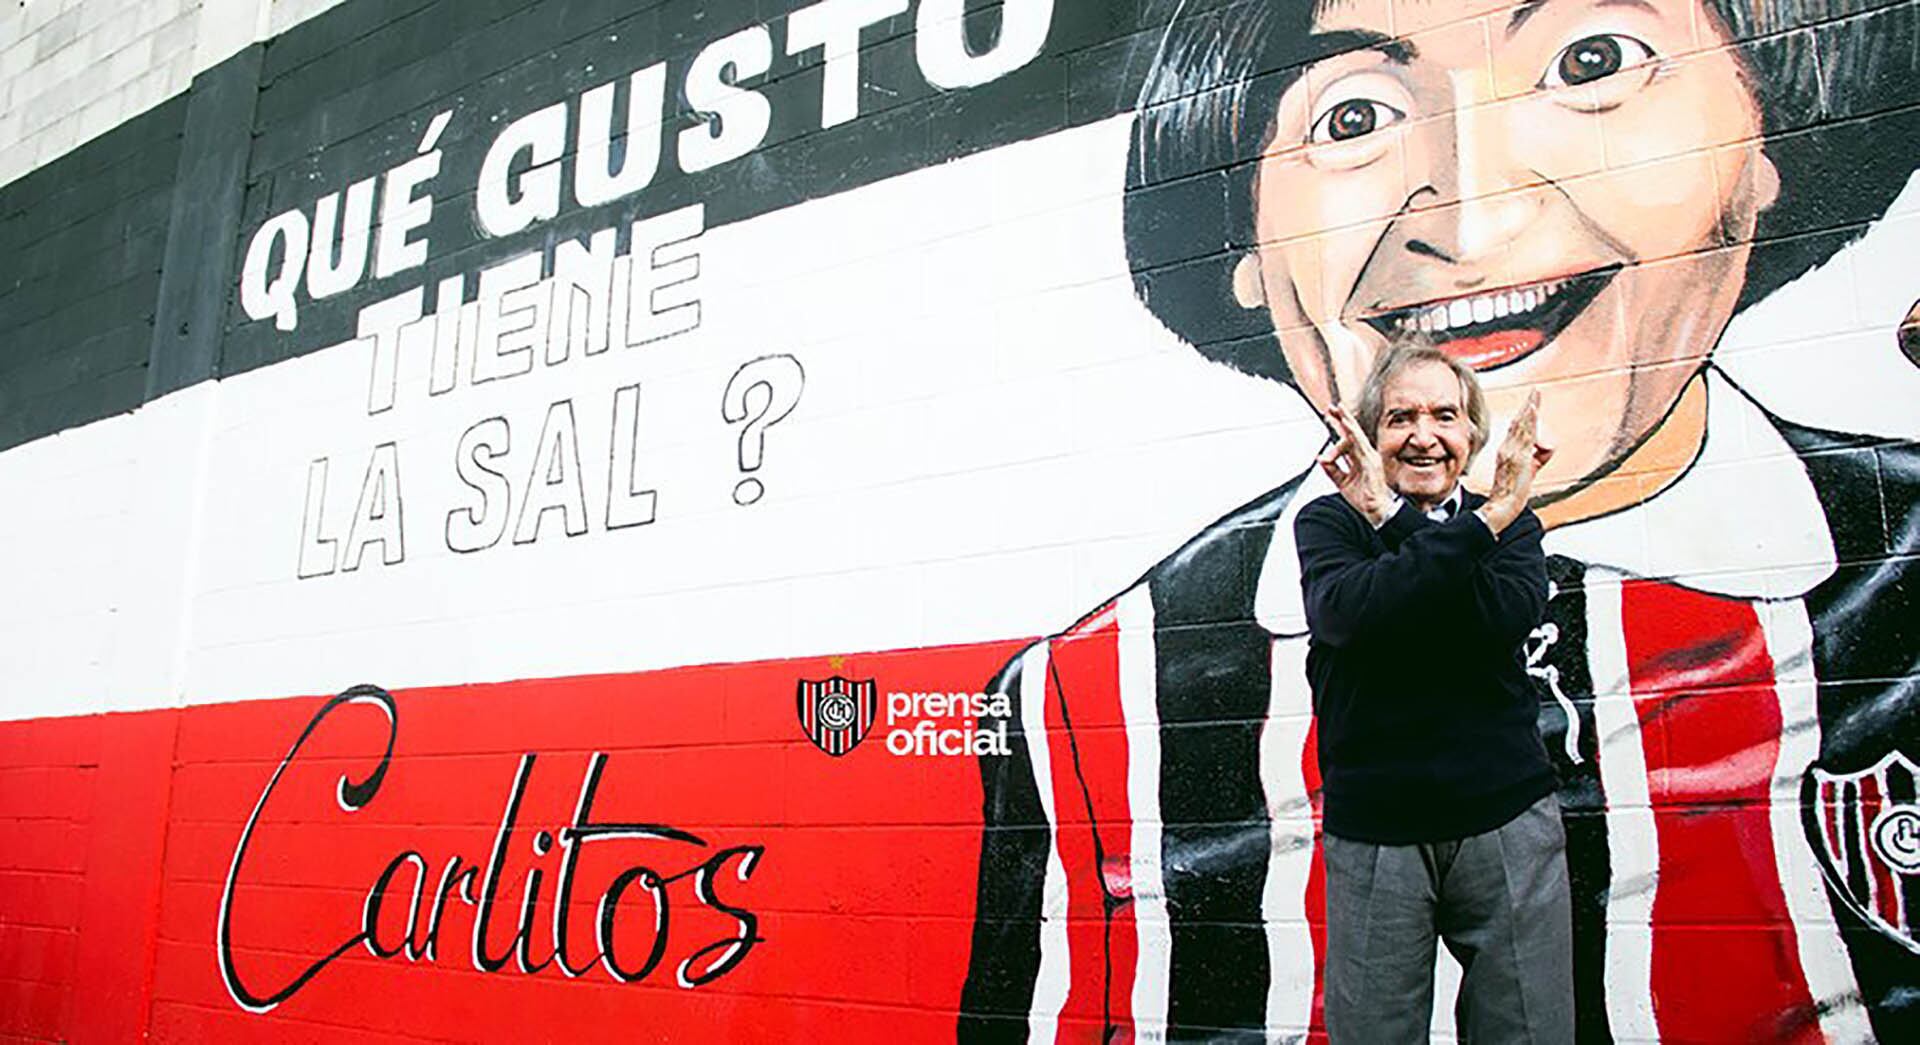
[{"x": 1559, "y": 194}]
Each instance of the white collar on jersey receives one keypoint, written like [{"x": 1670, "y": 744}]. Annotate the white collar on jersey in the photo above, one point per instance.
[
  {"x": 1695, "y": 532},
  {"x": 1277, "y": 602},
  {"x": 1779, "y": 549}
]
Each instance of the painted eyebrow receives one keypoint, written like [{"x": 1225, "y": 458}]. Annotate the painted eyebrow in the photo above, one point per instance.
[
  {"x": 1322, "y": 46},
  {"x": 1530, "y": 7}
]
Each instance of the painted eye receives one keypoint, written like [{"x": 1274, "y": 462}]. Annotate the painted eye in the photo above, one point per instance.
[
  {"x": 1353, "y": 118},
  {"x": 1595, "y": 58}
]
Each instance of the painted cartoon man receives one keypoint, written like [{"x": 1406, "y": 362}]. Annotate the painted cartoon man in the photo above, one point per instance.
[{"x": 1572, "y": 197}]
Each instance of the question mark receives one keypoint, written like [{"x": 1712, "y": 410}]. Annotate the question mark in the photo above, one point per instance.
[{"x": 778, "y": 380}]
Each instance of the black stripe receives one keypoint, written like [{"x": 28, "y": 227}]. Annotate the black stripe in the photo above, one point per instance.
[
  {"x": 83, "y": 238},
  {"x": 1213, "y": 672},
  {"x": 518, "y": 58},
  {"x": 346, "y": 94},
  {"x": 1005, "y": 961},
  {"x": 1850, "y": 840},
  {"x": 1899, "y": 785},
  {"x": 1863, "y": 643},
  {"x": 1583, "y": 798},
  {"x": 194, "y": 280}
]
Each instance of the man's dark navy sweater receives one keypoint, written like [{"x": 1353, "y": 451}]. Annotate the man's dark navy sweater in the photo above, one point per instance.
[{"x": 1428, "y": 726}]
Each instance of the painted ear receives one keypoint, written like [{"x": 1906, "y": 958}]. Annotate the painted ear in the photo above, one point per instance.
[
  {"x": 1249, "y": 282},
  {"x": 1766, "y": 178},
  {"x": 1909, "y": 335}
]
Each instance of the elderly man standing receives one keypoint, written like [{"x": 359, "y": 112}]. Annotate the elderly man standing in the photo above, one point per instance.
[{"x": 1439, "y": 810}]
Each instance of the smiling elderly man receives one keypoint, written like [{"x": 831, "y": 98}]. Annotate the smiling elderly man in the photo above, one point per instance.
[{"x": 1440, "y": 815}]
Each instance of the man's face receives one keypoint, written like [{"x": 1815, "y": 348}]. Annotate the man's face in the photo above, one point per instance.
[
  {"x": 1424, "y": 436},
  {"x": 1558, "y": 193}
]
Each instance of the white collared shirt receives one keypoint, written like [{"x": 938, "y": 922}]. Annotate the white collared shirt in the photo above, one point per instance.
[{"x": 1446, "y": 508}]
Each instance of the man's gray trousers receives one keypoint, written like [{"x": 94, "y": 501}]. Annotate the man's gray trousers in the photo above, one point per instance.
[{"x": 1498, "y": 900}]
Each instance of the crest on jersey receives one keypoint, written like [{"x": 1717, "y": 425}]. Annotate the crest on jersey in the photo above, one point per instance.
[
  {"x": 837, "y": 713},
  {"x": 1865, "y": 828}
]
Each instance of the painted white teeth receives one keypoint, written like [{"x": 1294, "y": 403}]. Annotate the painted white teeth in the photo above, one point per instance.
[{"x": 1481, "y": 309}]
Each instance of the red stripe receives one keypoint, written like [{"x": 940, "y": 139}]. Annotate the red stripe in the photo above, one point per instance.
[
  {"x": 1886, "y": 897},
  {"x": 1090, "y": 780},
  {"x": 1725, "y": 960},
  {"x": 1316, "y": 899},
  {"x": 1830, "y": 816}
]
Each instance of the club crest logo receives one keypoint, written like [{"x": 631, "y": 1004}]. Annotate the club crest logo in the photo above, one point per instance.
[
  {"x": 1865, "y": 828},
  {"x": 837, "y": 713}
]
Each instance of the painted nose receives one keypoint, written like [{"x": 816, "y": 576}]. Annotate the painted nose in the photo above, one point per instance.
[{"x": 1477, "y": 196}]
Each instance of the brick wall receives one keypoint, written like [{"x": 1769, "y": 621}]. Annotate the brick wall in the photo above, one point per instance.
[{"x": 815, "y": 483}]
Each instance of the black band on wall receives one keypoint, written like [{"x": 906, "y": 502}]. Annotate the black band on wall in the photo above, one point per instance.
[{"x": 203, "y": 224}]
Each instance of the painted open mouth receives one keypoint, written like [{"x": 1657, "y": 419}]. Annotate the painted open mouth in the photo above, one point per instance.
[{"x": 1499, "y": 327}]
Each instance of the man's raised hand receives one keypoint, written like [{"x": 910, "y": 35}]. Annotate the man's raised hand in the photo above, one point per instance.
[
  {"x": 1354, "y": 466},
  {"x": 1522, "y": 453}
]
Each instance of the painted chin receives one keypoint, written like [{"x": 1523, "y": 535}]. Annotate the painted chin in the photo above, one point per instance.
[{"x": 1491, "y": 330}]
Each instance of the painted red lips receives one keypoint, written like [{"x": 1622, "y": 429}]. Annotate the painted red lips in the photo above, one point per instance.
[{"x": 1491, "y": 330}]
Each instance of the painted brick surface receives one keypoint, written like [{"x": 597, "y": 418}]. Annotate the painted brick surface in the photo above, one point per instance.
[
  {"x": 84, "y": 245},
  {"x": 774, "y": 522},
  {"x": 71, "y": 70}
]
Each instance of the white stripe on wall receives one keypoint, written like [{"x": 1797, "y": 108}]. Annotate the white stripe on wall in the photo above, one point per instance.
[
  {"x": 1051, "y": 983},
  {"x": 1283, "y": 741},
  {"x": 1447, "y": 975},
  {"x": 1632, "y": 842},
  {"x": 877, "y": 291},
  {"x": 1139, "y": 703},
  {"x": 1823, "y": 955}
]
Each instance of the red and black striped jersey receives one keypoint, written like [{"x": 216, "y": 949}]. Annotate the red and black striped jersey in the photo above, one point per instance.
[{"x": 1731, "y": 770}]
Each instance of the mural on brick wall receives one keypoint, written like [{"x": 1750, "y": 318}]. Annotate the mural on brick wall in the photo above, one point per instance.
[
  {"x": 1571, "y": 198},
  {"x": 718, "y": 524}
]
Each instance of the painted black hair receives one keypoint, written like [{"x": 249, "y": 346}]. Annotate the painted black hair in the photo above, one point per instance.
[{"x": 1837, "y": 82}]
